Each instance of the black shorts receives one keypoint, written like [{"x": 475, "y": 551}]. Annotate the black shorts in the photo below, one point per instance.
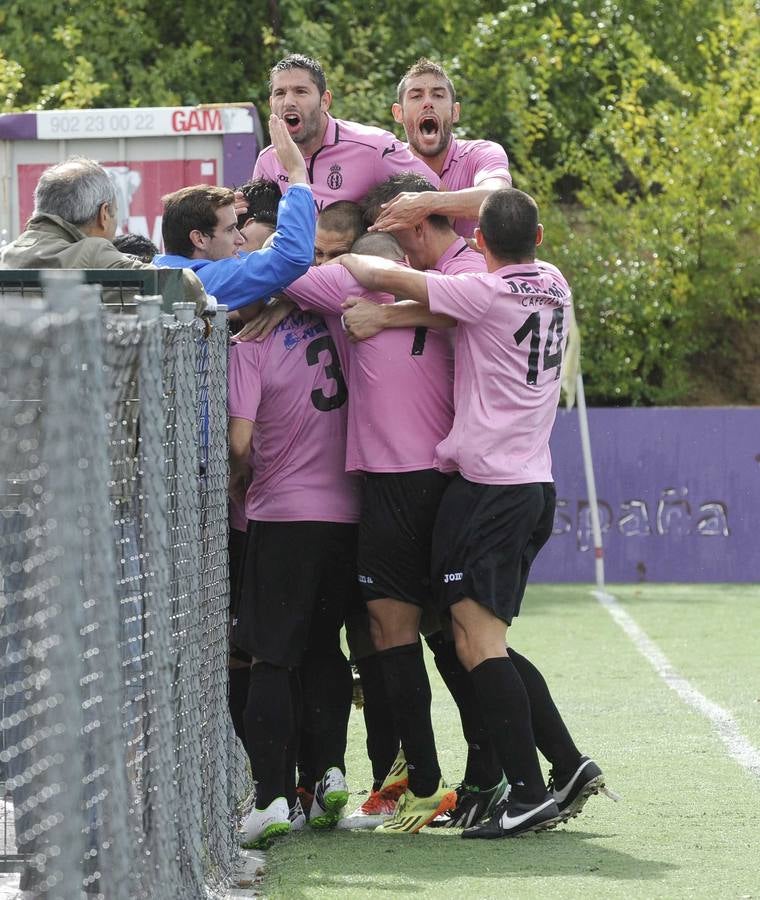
[
  {"x": 395, "y": 534},
  {"x": 236, "y": 552},
  {"x": 236, "y": 549},
  {"x": 485, "y": 540},
  {"x": 298, "y": 580}
]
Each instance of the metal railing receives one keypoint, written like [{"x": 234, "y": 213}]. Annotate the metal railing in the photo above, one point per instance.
[
  {"x": 119, "y": 286},
  {"x": 119, "y": 767}
]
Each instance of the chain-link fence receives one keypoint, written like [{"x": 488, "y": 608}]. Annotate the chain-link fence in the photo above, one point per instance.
[{"x": 118, "y": 764}]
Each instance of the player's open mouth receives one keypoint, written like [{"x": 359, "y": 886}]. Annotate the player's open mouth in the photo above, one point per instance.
[
  {"x": 292, "y": 120},
  {"x": 429, "y": 126}
]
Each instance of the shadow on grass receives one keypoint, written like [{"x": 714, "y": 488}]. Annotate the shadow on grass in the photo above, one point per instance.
[{"x": 346, "y": 864}]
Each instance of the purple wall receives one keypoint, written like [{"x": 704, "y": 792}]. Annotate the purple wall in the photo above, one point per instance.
[{"x": 678, "y": 490}]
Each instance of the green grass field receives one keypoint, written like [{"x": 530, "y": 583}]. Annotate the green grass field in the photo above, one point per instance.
[{"x": 688, "y": 824}]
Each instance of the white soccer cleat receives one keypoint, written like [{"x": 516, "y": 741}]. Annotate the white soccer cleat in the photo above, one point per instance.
[
  {"x": 297, "y": 816},
  {"x": 261, "y": 826},
  {"x": 330, "y": 796}
]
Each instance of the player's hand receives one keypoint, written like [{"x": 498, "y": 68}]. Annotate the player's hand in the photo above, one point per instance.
[
  {"x": 240, "y": 204},
  {"x": 266, "y": 320},
  {"x": 404, "y": 211},
  {"x": 362, "y": 318},
  {"x": 287, "y": 151}
]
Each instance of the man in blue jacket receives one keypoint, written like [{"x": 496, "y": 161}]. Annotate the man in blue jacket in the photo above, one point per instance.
[{"x": 200, "y": 232}]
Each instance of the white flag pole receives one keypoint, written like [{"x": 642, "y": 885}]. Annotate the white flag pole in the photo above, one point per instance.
[{"x": 588, "y": 468}]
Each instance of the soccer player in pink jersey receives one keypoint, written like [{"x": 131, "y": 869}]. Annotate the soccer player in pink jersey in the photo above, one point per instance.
[
  {"x": 499, "y": 510},
  {"x": 400, "y": 410},
  {"x": 257, "y": 225},
  {"x": 343, "y": 159},
  {"x": 401, "y": 405},
  {"x": 339, "y": 225},
  {"x": 469, "y": 170},
  {"x": 288, "y": 396},
  {"x": 432, "y": 244}
]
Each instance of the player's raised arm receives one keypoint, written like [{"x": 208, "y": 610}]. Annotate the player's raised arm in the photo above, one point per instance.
[
  {"x": 409, "y": 209},
  {"x": 382, "y": 275},
  {"x": 364, "y": 319}
]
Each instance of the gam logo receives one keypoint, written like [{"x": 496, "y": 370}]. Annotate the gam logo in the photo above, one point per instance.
[
  {"x": 453, "y": 576},
  {"x": 335, "y": 178}
]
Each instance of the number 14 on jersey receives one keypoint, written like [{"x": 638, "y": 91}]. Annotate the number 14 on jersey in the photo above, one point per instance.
[{"x": 552, "y": 355}]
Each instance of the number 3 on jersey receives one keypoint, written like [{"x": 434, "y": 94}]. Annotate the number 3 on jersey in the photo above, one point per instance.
[
  {"x": 325, "y": 402},
  {"x": 552, "y": 358}
]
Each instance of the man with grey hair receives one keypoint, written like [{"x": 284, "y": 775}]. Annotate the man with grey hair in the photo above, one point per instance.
[{"x": 73, "y": 224}]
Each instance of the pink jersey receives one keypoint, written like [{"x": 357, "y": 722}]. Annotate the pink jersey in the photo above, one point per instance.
[
  {"x": 460, "y": 259},
  {"x": 467, "y": 164},
  {"x": 352, "y": 159},
  {"x": 401, "y": 380},
  {"x": 510, "y": 341},
  {"x": 291, "y": 386}
]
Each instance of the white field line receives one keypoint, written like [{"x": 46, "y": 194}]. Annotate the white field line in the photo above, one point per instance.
[{"x": 739, "y": 748}]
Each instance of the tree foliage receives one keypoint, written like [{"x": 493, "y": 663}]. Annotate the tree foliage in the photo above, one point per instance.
[{"x": 633, "y": 122}]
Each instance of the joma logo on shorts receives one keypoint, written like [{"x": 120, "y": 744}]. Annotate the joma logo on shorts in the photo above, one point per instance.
[
  {"x": 365, "y": 579},
  {"x": 453, "y": 576}
]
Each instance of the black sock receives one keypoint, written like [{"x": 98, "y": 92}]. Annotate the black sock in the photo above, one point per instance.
[
  {"x": 268, "y": 727},
  {"x": 483, "y": 768},
  {"x": 328, "y": 687},
  {"x": 237, "y": 699},
  {"x": 506, "y": 712},
  {"x": 408, "y": 689},
  {"x": 307, "y": 777},
  {"x": 552, "y": 737},
  {"x": 294, "y": 741},
  {"x": 382, "y": 736}
]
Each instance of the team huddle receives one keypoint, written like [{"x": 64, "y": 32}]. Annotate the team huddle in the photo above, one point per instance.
[
  {"x": 390, "y": 415},
  {"x": 393, "y": 385}
]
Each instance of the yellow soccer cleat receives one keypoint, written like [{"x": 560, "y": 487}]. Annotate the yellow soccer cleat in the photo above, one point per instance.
[{"x": 414, "y": 813}]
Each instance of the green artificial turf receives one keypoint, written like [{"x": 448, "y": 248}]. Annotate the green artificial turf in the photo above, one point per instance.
[{"x": 688, "y": 823}]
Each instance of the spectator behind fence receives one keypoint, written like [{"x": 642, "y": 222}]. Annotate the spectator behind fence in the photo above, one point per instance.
[
  {"x": 200, "y": 231},
  {"x": 74, "y": 224},
  {"x": 136, "y": 245}
]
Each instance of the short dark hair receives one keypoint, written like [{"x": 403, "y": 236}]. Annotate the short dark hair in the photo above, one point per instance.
[
  {"x": 263, "y": 196},
  {"x": 424, "y": 66},
  {"x": 188, "y": 209},
  {"x": 378, "y": 243},
  {"x": 397, "y": 184},
  {"x": 299, "y": 61},
  {"x": 343, "y": 216},
  {"x": 509, "y": 221},
  {"x": 136, "y": 245}
]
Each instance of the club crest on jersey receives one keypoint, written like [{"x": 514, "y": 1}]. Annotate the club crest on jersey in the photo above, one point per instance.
[{"x": 335, "y": 178}]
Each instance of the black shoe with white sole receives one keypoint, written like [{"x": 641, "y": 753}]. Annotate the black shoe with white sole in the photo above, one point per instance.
[
  {"x": 571, "y": 797},
  {"x": 512, "y": 818},
  {"x": 473, "y": 805}
]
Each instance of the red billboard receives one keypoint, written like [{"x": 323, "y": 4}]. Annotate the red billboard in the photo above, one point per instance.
[{"x": 139, "y": 188}]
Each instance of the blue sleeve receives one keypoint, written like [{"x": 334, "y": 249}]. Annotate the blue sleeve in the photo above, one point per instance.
[{"x": 241, "y": 280}]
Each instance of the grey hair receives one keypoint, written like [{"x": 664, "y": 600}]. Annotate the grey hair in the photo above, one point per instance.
[{"x": 74, "y": 190}]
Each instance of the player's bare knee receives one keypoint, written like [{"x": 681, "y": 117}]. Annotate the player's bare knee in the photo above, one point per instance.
[
  {"x": 376, "y": 632},
  {"x": 462, "y": 648}
]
